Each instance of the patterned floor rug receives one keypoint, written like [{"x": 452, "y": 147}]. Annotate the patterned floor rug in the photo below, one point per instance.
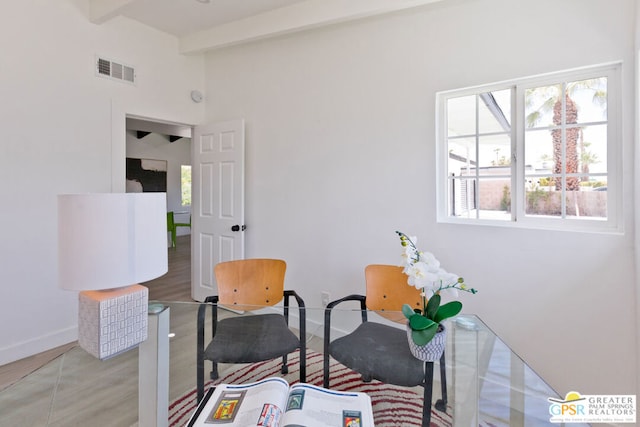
[{"x": 392, "y": 405}]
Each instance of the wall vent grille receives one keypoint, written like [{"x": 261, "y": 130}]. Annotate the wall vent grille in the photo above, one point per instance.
[{"x": 115, "y": 70}]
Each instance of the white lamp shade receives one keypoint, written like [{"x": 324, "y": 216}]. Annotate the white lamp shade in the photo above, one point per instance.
[{"x": 111, "y": 240}]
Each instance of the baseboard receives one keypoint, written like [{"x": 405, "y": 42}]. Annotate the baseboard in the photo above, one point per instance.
[
  {"x": 24, "y": 349},
  {"x": 37, "y": 345}
]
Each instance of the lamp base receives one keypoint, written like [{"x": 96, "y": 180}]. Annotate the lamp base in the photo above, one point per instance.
[{"x": 112, "y": 321}]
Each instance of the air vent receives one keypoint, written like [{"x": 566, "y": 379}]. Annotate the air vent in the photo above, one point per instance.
[{"x": 115, "y": 70}]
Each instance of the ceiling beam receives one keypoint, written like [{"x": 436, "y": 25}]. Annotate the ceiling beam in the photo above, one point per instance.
[
  {"x": 297, "y": 17},
  {"x": 176, "y": 131},
  {"x": 100, "y": 11}
]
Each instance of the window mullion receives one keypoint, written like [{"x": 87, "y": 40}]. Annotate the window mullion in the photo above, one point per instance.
[
  {"x": 563, "y": 150},
  {"x": 476, "y": 187},
  {"x": 517, "y": 151}
]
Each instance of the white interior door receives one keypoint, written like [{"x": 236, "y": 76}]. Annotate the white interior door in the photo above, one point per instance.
[{"x": 217, "y": 228}]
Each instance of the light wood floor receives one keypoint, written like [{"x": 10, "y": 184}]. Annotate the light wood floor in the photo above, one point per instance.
[
  {"x": 68, "y": 387},
  {"x": 173, "y": 286}
]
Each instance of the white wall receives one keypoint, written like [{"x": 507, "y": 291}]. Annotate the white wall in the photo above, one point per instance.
[
  {"x": 157, "y": 147},
  {"x": 56, "y": 138},
  {"x": 340, "y": 129},
  {"x": 636, "y": 183},
  {"x": 340, "y": 153}
]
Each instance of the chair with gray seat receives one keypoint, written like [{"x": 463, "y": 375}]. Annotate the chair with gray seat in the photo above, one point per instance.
[
  {"x": 248, "y": 285},
  {"x": 380, "y": 351}
]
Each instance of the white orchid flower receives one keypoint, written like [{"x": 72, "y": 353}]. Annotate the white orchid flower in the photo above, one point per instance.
[
  {"x": 430, "y": 259},
  {"x": 448, "y": 279},
  {"x": 417, "y": 273},
  {"x": 410, "y": 252},
  {"x": 424, "y": 272},
  {"x": 408, "y": 256}
]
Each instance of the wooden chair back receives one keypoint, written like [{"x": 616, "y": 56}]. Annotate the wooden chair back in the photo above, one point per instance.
[
  {"x": 248, "y": 284},
  {"x": 388, "y": 291}
]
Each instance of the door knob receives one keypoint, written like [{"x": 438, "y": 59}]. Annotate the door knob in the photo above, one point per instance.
[{"x": 237, "y": 227}]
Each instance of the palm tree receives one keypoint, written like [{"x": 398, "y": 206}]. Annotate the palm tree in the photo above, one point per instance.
[
  {"x": 571, "y": 143},
  {"x": 552, "y": 101}
]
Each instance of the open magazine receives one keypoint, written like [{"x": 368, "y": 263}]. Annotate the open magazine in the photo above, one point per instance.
[{"x": 273, "y": 403}]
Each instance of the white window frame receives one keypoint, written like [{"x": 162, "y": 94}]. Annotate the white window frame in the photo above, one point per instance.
[{"x": 613, "y": 221}]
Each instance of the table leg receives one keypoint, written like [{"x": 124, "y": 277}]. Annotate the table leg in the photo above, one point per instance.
[{"x": 153, "y": 373}]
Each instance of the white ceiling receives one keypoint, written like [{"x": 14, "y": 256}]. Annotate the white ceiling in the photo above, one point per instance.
[
  {"x": 184, "y": 17},
  {"x": 202, "y": 25}
]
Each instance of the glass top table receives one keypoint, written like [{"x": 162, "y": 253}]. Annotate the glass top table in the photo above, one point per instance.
[{"x": 487, "y": 384}]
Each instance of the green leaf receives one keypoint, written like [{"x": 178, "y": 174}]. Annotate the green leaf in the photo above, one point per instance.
[
  {"x": 408, "y": 311},
  {"x": 432, "y": 306},
  {"x": 418, "y": 323},
  {"x": 424, "y": 336},
  {"x": 450, "y": 309}
]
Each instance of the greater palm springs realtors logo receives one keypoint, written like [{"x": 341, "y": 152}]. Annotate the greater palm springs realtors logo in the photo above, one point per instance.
[{"x": 576, "y": 408}]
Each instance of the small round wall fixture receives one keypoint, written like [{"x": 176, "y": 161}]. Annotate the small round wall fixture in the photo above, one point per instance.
[{"x": 196, "y": 95}]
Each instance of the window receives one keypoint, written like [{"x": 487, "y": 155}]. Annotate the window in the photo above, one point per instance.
[
  {"x": 539, "y": 152},
  {"x": 185, "y": 184}
]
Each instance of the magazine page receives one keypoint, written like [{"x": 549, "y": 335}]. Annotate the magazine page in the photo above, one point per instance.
[
  {"x": 239, "y": 405},
  {"x": 312, "y": 406}
]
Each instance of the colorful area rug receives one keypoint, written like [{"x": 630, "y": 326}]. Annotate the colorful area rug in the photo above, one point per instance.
[{"x": 392, "y": 405}]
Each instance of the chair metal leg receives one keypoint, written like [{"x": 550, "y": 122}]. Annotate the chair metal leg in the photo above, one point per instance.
[
  {"x": 200, "y": 365},
  {"x": 214, "y": 372},
  {"x": 428, "y": 394},
  {"x": 325, "y": 369},
  {"x": 200, "y": 379},
  {"x": 303, "y": 363}
]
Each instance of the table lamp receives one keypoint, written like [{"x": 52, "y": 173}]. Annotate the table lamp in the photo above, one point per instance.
[{"x": 107, "y": 244}]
